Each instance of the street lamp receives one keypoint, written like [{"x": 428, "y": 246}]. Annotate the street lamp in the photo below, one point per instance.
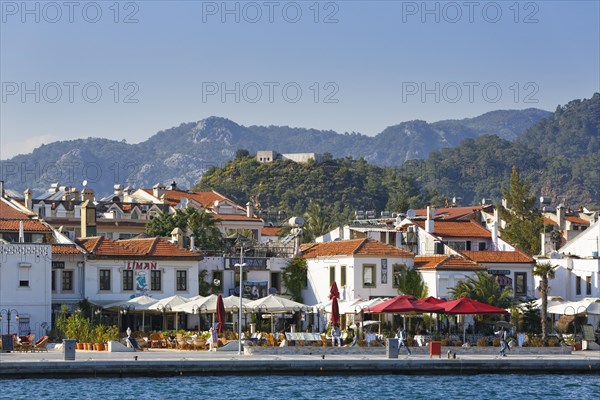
[
  {"x": 241, "y": 266},
  {"x": 198, "y": 310},
  {"x": 126, "y": 308},
  {"x": 8, "y": 312},
  {"x": 164, "y": 308}
]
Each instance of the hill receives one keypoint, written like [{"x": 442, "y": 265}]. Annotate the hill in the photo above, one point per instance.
[{"x": 185, "y": 152}]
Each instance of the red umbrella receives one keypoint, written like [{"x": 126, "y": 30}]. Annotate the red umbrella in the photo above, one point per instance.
[
  {"x": 468, "y": 306},
  {"x": 405, "y": 304},
  {"x": 432, "y": 300},
  {"x": 220, "y": 314},
  {"x": 334, "y": 292},
  {"x": 335, "y": 312}
]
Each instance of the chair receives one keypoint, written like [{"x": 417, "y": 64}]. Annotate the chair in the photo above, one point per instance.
[
  {"x": 156, "y": 340},
  {"x": 199, "y": 344},
  {"x": 40, "y": 345}
]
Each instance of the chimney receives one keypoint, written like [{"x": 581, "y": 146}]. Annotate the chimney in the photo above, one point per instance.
[
  {"x": 158, "y": 190},
  {"x": 127, "y": 195},
  {"x": 192, "y": 243},
  {"x": 177, "y": 237},
  {"x": 495, "y": 235},
  {"x": 74, "y": 194},
  {"x": 87, "y": 194},
  {"x": 118, "y": 189},
  {"x": 429, "y": 222},
  {"x": 249, "y": 210},
  {"x": 173, "y": 186},
  {"x": 88, "y": 219},
  {"x": 560, "y": 213},
  {"x": 28, "y": 199}
]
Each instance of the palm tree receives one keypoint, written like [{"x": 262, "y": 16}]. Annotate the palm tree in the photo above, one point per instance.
[
  {"x": 484, "y": 288},
  {"x": 545, "y": 271},
  {"x": 316, "y": 223},
  {"x": 410, "y": 281}
]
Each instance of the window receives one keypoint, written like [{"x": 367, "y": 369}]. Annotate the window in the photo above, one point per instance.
[
  {"x": 369, "y": 275},
  {"x": 181, "y": 280},
  {"x": 520, "y": 284},
  {"x": 343, "y": 275},
  {"x": 481, "y": 246},
  {"x": 577, "y": 285},
  {"x": 331, "y": 275},
  {"x": 24, "y": 269},
  {"x": 155, "y": 280},
  {"x": 105, "y": 279},
  {"x": 53, "y": 275},
  {"x": 457, "y": 245},
  {"x": 397, "y": 271},
  {"x": 67, "y": 281},
  {"x": 588, "y": 285},
  {"x": 236, "y": 278},
  {"x": 468, "y": 245},
  {"x": 127, "y": 279},
  {"x": 276, "y": 281}
]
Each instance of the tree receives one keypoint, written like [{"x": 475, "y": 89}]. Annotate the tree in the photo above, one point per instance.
[
  {"x": 524, "y": 222},
  {"x": 545, "y": 271},
  {"x": 316, "y": 222},
  {"x": 294, "y": 278},
  {"x": 199, "y": 223},
  {"x": 483, "y": 288},
  {"x": 410, "y": 281},
  {"x": 241, "y": 153}
]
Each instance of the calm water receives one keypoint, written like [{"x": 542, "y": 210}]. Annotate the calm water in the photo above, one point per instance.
[{"x": 579, "y": 387}]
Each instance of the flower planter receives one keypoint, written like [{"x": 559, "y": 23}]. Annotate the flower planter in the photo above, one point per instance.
[
  {"x": 99, "y": 346},
  {"x": 79, "y": 346}
]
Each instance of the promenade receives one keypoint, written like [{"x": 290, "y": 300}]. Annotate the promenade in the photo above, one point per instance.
[{"x": 158, "y": 362}]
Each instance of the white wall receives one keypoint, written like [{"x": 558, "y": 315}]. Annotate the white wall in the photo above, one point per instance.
[{"x": 32, "y": 262}]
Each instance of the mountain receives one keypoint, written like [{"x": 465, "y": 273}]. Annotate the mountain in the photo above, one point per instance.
[{"x": 185, "y": 152}]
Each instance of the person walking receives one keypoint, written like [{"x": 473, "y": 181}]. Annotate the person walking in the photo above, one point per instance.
[
  {"x": 401, "y": 336},
  {"x": 503, "y": 344}
]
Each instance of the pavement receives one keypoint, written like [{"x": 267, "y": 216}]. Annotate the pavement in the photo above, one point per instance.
[{"x": 159, "y": 362}]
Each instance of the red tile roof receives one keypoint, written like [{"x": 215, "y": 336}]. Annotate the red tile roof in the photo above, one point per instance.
[
  {"x": 29, "y": 225},
  {"x": 65, "y": 249},
  {"x": 235, "y": 217},
  {"x": 464, "y": 229},
  {"x": 487, "y": 256},
  {"x": 363, "y": 247},
  {"x": 549, "y": 221},
  {"x": 453, "y": 213},
  {"x": 146, "y": 248},
  {"x": 577, "y": 220},
  {"x": 270, "y": 231},
  {"x": 9, "y": 212},
  {"x": 446, "y": 263}
]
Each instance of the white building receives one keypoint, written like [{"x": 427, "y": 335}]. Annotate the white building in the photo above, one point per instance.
[
  {"x": 25, "y": 287},
  {"x": 578, "y": 272},
  {"x": 362, "y": 268}
]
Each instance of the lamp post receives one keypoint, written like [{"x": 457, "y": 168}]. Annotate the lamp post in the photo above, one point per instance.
[
  {"x": 8, "y": 312},
  {"x": 241, "y": 266},
  {"x": 198, "y": 310},
  {"x": 126, "y": 308},
  {"x": 164, "y": 309}
]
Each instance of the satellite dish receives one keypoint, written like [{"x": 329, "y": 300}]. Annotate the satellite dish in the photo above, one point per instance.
[
  {"x": 84, "y": 183},
  {"x": 217, "y": 282},
  {"x": 411, "y": 213}
]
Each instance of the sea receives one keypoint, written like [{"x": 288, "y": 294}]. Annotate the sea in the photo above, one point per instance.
[{"x": 449, "y": 387}]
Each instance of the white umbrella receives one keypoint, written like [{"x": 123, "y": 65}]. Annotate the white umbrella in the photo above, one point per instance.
[
  {"x": 590, "y": 305},
  {"x": 167, "y": 302},
  {"x": 552, "y": 301},
  {"x": 136, "y": 302},
  {"x": 275, "y": 304},
  {"x": 209, "y": 304}
]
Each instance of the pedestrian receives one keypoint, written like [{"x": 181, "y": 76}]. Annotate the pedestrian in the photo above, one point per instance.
[
  {"x": 503, "y": 345},
  {"x": 401, "y": 336},
  {"x": 336, "y": 335}
]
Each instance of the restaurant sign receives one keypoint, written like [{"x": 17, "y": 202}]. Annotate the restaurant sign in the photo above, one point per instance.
[
  {"x": 499, "y": 271},
  {"x": 144, "y": 265},
  {"x": 252, "y": 263}
]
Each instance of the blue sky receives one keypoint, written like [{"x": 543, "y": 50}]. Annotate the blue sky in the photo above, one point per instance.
[{"x": 346, "y": 65}]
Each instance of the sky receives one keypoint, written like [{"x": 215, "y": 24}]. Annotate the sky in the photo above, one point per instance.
[{"x": 125, "y": 70}]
